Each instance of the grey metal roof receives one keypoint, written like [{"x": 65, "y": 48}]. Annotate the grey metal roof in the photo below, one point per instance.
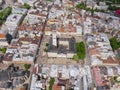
[
  {"x": 60, "y": 48},
  {"x": 4, "y": 75},
  {"x": 6, "y": 85},
  {"x": 18, "y": 73}
]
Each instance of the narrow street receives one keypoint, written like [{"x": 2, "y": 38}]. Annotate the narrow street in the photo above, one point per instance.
[
  {"x": 42, "y": 36},
  {"x": 87, "y": 59}
]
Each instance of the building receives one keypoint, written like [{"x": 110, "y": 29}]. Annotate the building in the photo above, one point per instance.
[
  {"x": 3, "y": 40},
  {"x": 106, "y": 77},
  {"x": 61, "y": 47},
  {"x": 19, "y": 78},
  {"x": 63, "y": 22},
  {"x": 30, "y": 2},
  {"x": 19, "y": 11},
  {"x": 100, "y": 51},
  {"x": 30, "y": 30},
  {"x": 10, "y": 2},
  {"x": 65, "y": 77},
  {"x": 22, "y": 50},
  {"x": 11, "y": 24},
  {"x": 87, "y": 26},
  {"x": 14, "y": 20},
  {"x": 37, "y": 13},
  {"x": 39, "y": 71}
]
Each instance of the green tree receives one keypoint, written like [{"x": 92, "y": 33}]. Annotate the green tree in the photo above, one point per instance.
[
  {"x": 1, "y": 22},
  {"x": 26, "y": 6},
  {"x": 52, "y": 80},
  {"x": 114, "y": 43},
  {"x": 45, "y": 50},
  {"x": 80, "y": 6},
  {"x": 26, "y": 66},
  {"x": 113, "y": 8},
  {"x": 81, "y": 51},
  {"x": 3, "y": 50},
  {"x": 46, "y": 44},
  {"x": 4, "y": 14},
  {"x": 75, "y": 57}
]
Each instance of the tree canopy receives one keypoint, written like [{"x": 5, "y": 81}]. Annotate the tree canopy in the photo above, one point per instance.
[
  {"x": 52, "y": 80},
  {"x": 80, "y": 6},
  {"x": 81, "y": 51},
  {"x": 4, "y": 14},
  {"x": 26, "y": 66},
  {"x": 113, "y": 8},
  {"x": 26, "y": 6},
  {"x": 75, "y": 57},
  {"x": 115, "y": 44},
  {"x": 3, "y": 50}
]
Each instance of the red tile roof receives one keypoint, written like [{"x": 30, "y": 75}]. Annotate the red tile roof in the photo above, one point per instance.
[
  {"x": 2, "y": 35},
  {"x": 98, "y": 79},
  {"x": 56, "y": 87}
]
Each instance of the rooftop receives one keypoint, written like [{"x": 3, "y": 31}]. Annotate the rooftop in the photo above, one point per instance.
[
  {"x": 100, "y": 50},
  {"x": 19, "y": 11},
  {"x": 13, "y": 19},
  {"x": 70, "y": 47},
  {"x": 105, "y": 76},
  {"x": 13, "y": 76}
]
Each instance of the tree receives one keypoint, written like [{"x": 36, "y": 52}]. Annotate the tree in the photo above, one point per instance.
[
  {"x": 3, "y": 50},
  {"x": 4, "y": 13},
  {"x": 1, "y": 22},
  {"x": 114, "y": 43},
  {"x": 47, "y": 44},
  {"x": 113, "y": 8},
  {"x": 80, "y": 47},
  {"x": 26, "y": 66},
  {"x": 75, "y": 57},
  {"x": 52, "y": 80},
  {"x": 26, "y": 6},
  {"x": 45, "y": 50},
  {"x": 80, "y": 6}
]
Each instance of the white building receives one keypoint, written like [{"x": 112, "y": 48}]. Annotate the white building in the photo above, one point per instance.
[
  {"x": 87, "y": 26},
  {"x": 24, "y": 53},
  {"x": 100, "y": 50},
  {"x": 14, "y": 20},
  {"x": 10, "y": 2},
  {"x": 19, "y": 11},
  {"x": 30, "y": 2}
]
